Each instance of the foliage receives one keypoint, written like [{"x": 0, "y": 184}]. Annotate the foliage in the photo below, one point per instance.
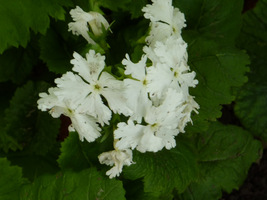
[
  {"x": 224, "y": 154},
  {"x": 226, "y": 49},
  {"x": 252, "y": 98}
]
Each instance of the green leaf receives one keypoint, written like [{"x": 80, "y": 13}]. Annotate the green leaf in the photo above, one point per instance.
[
  {"x": 251, "y": 109},
  {"x": 113, "y": 5},
  {"x": 77, "y": 155},
  {"x": 22, "y": 106},
  {"x": 164, "y": 171},
  {"x": 87, "y": 184},
  {"x": 10, "y": 180},
  {"x": 17, "y": 64},
  {"x": 6, "y": 142},
  {"x": 212, "y": 27},
  {"x": 225, "y": 156},
  {"x": 219, "y": 70},
  {"x": 135, "y": 7},
  {"x": 252, "y": 100},
  {"x": 73, "y": 155},
  {"x": 55, "y": 52},
  {"x": 46, "y": 133},
  {"x": 34, "y": 165},
  {"x": 218, "y": 20},
  {"x": 30, "y": 128},
  {"x": 18, "y": 17}
]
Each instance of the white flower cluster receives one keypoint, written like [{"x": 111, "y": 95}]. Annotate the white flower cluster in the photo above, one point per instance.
[
  {"x": 156, "y": 98},
  {"x": 158, "y": 94}
]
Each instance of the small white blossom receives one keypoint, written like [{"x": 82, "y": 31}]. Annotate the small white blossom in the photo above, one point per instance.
[
  {"x": 165, "y": 20},
  {"x": 161, "y": 128},
  {"x": 117, "y": 159},
  {"x": 136, "y": 90},
  {"x": 86, "y": 93},
  {"x": 82, "y": 21},
  {"x": 170, "y": 68},
  {"x": 84, "y": 124}
]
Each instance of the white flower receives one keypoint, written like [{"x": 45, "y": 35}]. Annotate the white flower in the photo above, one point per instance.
[
  {"x": 170, "y": 68},
  {"x": 85, "y": 93},
  {"x": 172, "y": 51},
  {"x": 165, "y": 20},
  {"x": 84, "y": 124},
  {"x": 136, "y": 90},
  {"x": 81, "y": 21},
  {"x": 116, "y": 158},
  {"x": 159, "y": 79},
  {"x": 161, "y": 128}
]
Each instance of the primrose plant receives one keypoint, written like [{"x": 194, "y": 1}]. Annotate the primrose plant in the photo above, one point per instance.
[{"x": 154, "y": 95}]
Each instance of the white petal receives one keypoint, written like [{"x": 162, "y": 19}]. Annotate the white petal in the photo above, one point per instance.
[
  {"x": 158, "y": 32},
  {"x": 88, "y": 68},
  {"x": 72, "y": 88},
  {"x": 48, "y": 101},
  {"x": 78, "y": 14},
  {"x": 81, "y": 21},
  {"x": 86, "y": 126},
  {"x": 172, "y": 51},
  {"x": 149, "y": 142},
  {"x": 159, "y": 79},
  {"x": 159, "y": 11},
  {"x": 137, "y": 70},
  {"x": 137, "y": 98},
  {"x": 118, "y": 158},
  {"x": 129, "y": 135},
  {"x": 97, "y": 22},
  {"x": 93, "y": 105}
]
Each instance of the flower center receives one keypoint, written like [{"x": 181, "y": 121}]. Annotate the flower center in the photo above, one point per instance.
[
  {"x": 144, "y": 82},
  {"x": 176, "y": 74},
  {"x": 97, "y": 87}
]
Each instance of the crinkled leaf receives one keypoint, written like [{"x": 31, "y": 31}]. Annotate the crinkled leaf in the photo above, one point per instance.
[
  {"x": 225, "y": 155},
  {"x": 73, "y": 155},
  {"x": 212, "y": 27},
  {"x": 19, "y": 16},
  {"x": 34, "y": 165},
  {"x": 16, "y": 64},
  {"x": 77, "y": 155},
  {"x": 10, "y": 180},
  {"x": 251, "y": 109},
  {"x": 113, "y": 5},
  {"x": 135, "y": 190},
  {"x": 22, "y": 107},
  {"x": 30, "y": 128},
  {"x": 219, "y": 70},
  {"x": 164, "y": 171},
  {"x": 6, "y": 142},
  {"x": 135, "y": 7},
  {"x": 132, "y": 6},
  {"x": 86, "y": 184},
  {"x": 46, "y": 132},
  {"x": 55, "y": 52},
  {"x": 218, "y": 20},
  {"x": 252, "y": 99}
]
